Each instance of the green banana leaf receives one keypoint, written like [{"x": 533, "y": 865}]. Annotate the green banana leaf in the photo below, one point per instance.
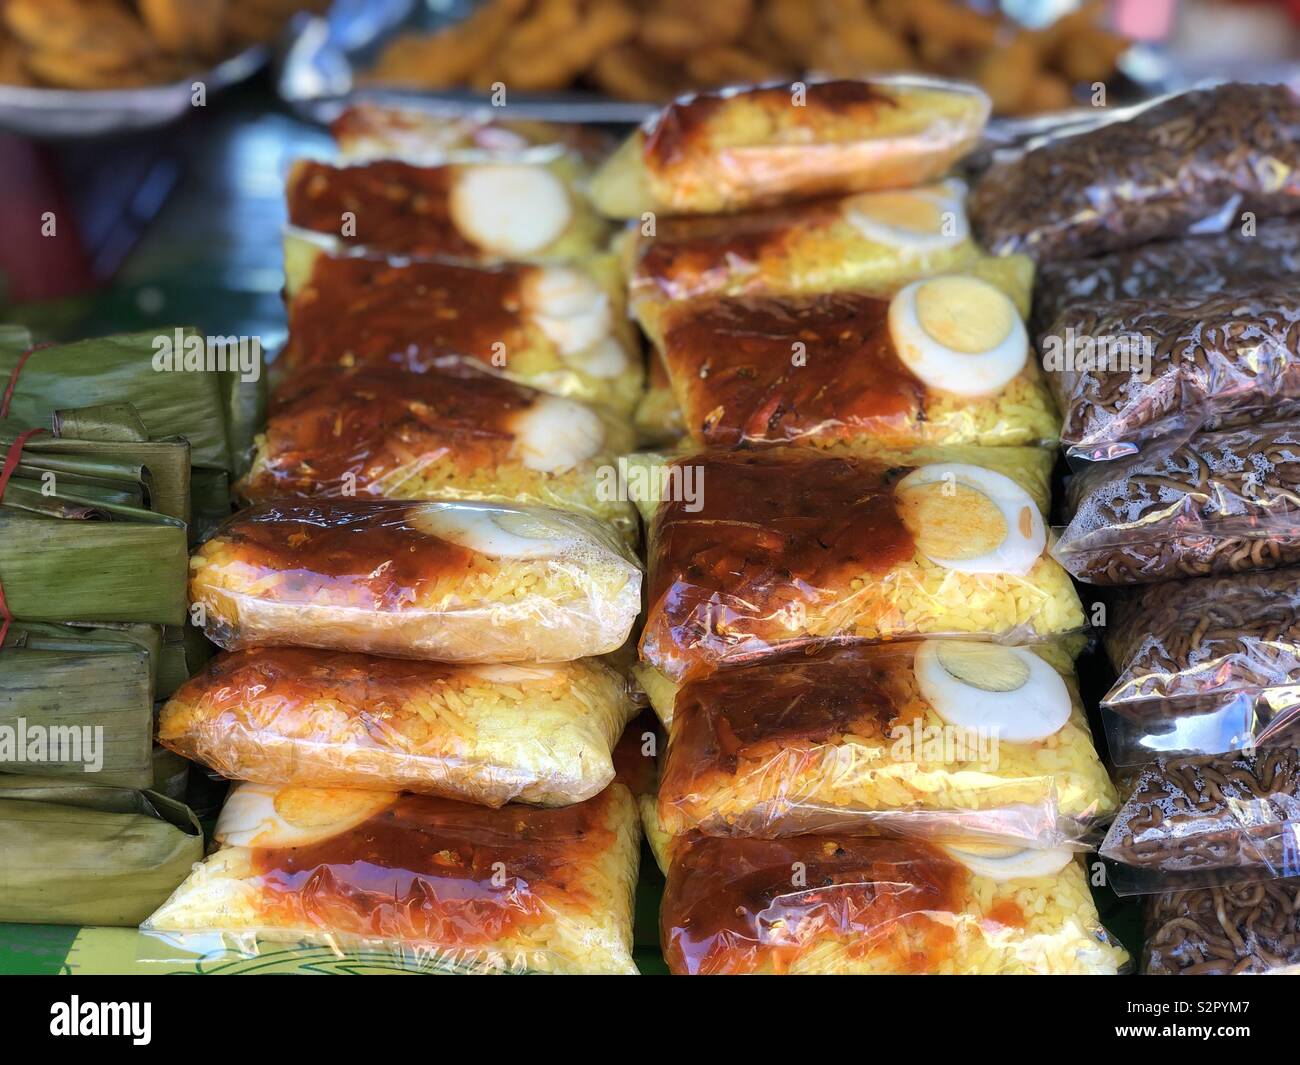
[
  {"x": 90, "y": 855},
  {"x": 184, "y": 650}
]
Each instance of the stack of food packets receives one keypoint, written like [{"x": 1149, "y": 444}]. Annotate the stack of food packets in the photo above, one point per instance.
[
  {"x": 96, "y": 505},
  {"x": 1174, "y": 358},
  {"x": 877, "y": 760},
  {"x": 421, "y": 608}
]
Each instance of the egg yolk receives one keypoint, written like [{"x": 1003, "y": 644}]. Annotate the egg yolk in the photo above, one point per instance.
[
  {"x": 964, "y": 314},
  {"x": 951, "y": 520}
]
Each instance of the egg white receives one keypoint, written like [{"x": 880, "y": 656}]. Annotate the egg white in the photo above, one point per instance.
[{"x": 509, "y": 209}]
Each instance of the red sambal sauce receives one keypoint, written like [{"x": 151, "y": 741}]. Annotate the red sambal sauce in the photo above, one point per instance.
[
  {"x": 358, "y": 311},
  {"x": 796, "y": 701},
  {"x": 730, "y": 905},
  {"x": 361, "y": 547},
  {"x": 682, "y": 129},
  {"x": 776, "y": 528},
  {"x": 423, "y": 869},
  {"x": 397, "y": 207},
  {"x": 332, "y": 431},
  {"x": 765, "y": 369}
]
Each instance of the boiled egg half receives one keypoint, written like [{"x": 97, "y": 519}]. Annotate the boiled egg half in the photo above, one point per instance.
[
  {"x": 970, "y": 519},
  {"x": 912, "y": 221},
  {"x": 262, "y": 815},
  {"x": 1011, "y": 863},
  {"x": 497, "y": 530},
  {"x": 959, "y": 335},
  {"x": 1007, "y": 691},
  {"x": 554, "y": 434},
  {"x": 509, "y": 209}
]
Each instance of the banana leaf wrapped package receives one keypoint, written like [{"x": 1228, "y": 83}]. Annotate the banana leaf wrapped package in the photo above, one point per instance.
[
  {"x": 453, "y": 582},
  {"x": 467, "y": 435},
  {"x": 95, "y": 855},
  {"x": 943, "y": 361},
  {"x": 557, "y": 328},
  {"x": 485, "y": 734},
  {"x": 76, "y": 702},
  {"x": 477, "y": 212},
  {"x": 734, "y": 149},
  {"x": 455, "y": 886},
  {"x": 940, "y": 739},
  {"x": 788, "y": 546},
  {"x": 825, "y": 905}
]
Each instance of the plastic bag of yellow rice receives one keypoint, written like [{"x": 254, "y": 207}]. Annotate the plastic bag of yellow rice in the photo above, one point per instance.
[
  {"x": 757, "y": 146},
  {"x": 487, "y": 734},
  {"x": 438, "y": 885},
  {"x": 489, "y": 211},
  {"x": 466, "y": 435},
  {"x": 756, "y": 551},
  {"x": 558, "y": 328},
  {"x": 938, "y": 739},
  {"x": 451, "y": 582},
  {"x": 829, "y": 905},
  {"x": 944, "y": 360}
]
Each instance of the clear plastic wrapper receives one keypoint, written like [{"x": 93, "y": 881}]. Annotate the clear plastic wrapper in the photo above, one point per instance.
[
  {"x": 1128, "y": 372},
  {"x": 457, "y": 887},
  {"x": 1205, "y": 820},
  {"x": 788, "y": 546},
  {"x": 1205, "y": 667},
  {"x": 1192, "y": 163},
  {"x": 1221, "y": 502},
  {"x": 866, "y": 240},
  {"x": 1247, "y": 929},
  {"x": 366, "y": 132},
  {"x": 473, "y": 212},
  {"x": 943, "y": 361},
  {"x": 468, "y": 435},
  {"x": 487, "y": 734},
  {"x": 559, "y": 329},
  {"x": 756, "y": 146},
  {"x": 658, "y": 418},
  {"x": 1209, "y": 264},
  {"x": 828, "y": 905},
  {"x": 453, "y": 582},
  {"x": 939, "y": 739}
]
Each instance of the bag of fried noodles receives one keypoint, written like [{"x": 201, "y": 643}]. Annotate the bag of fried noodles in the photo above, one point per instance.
[
  {"x": 785, "y": 546},
  {"x": 758, "y": 146},
  {"x": 830, "y": 905},
  {"x": 1206, "y": 820},
  {"x": 1205, "y": 667},
  {"x": 441, "y": 885},
  {"x": 1194, "y": 163},
  {"x": 941, "y": 739},
  {"x": 464, "y": 435},
  {"x": 1233, "y": 930},
  {"x": 487, "y": 734},
  {"x": 1222, "y": 502},
  {"x": 452, "y": 582}
]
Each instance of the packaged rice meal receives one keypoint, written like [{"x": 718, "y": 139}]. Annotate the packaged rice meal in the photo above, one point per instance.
[
  {"x": 1203, "y": 820},
  {"x": 1232, "y": 930},
  {"x": 1127, "y": 372},
  {"x": 943, "y": 361},
  {"x": 941, "y": 739},
  {"x": 467, "y": 435},
  {"x": 1207, "y": 265},
  {"x": 557, "y": 328},
  {"x": 755, "y": 551},
  {"x": 477, "y": 212},
  {"x": 757, "y": 146},
  {"x": 658, "y": 418},
  {"x": 1205, "y": 666},
  {"x": 860, "y": 241},
  {"x": 1222, "y": 502},
  {"x": 452, "y": 582},
  {"x": 1192, "y": 163},
  {"x": 365, "y": 132},
  {"x": 487, "y": 734},
  {"x": 828, "y": 905},
  {"x": 439, "y": 884}
]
